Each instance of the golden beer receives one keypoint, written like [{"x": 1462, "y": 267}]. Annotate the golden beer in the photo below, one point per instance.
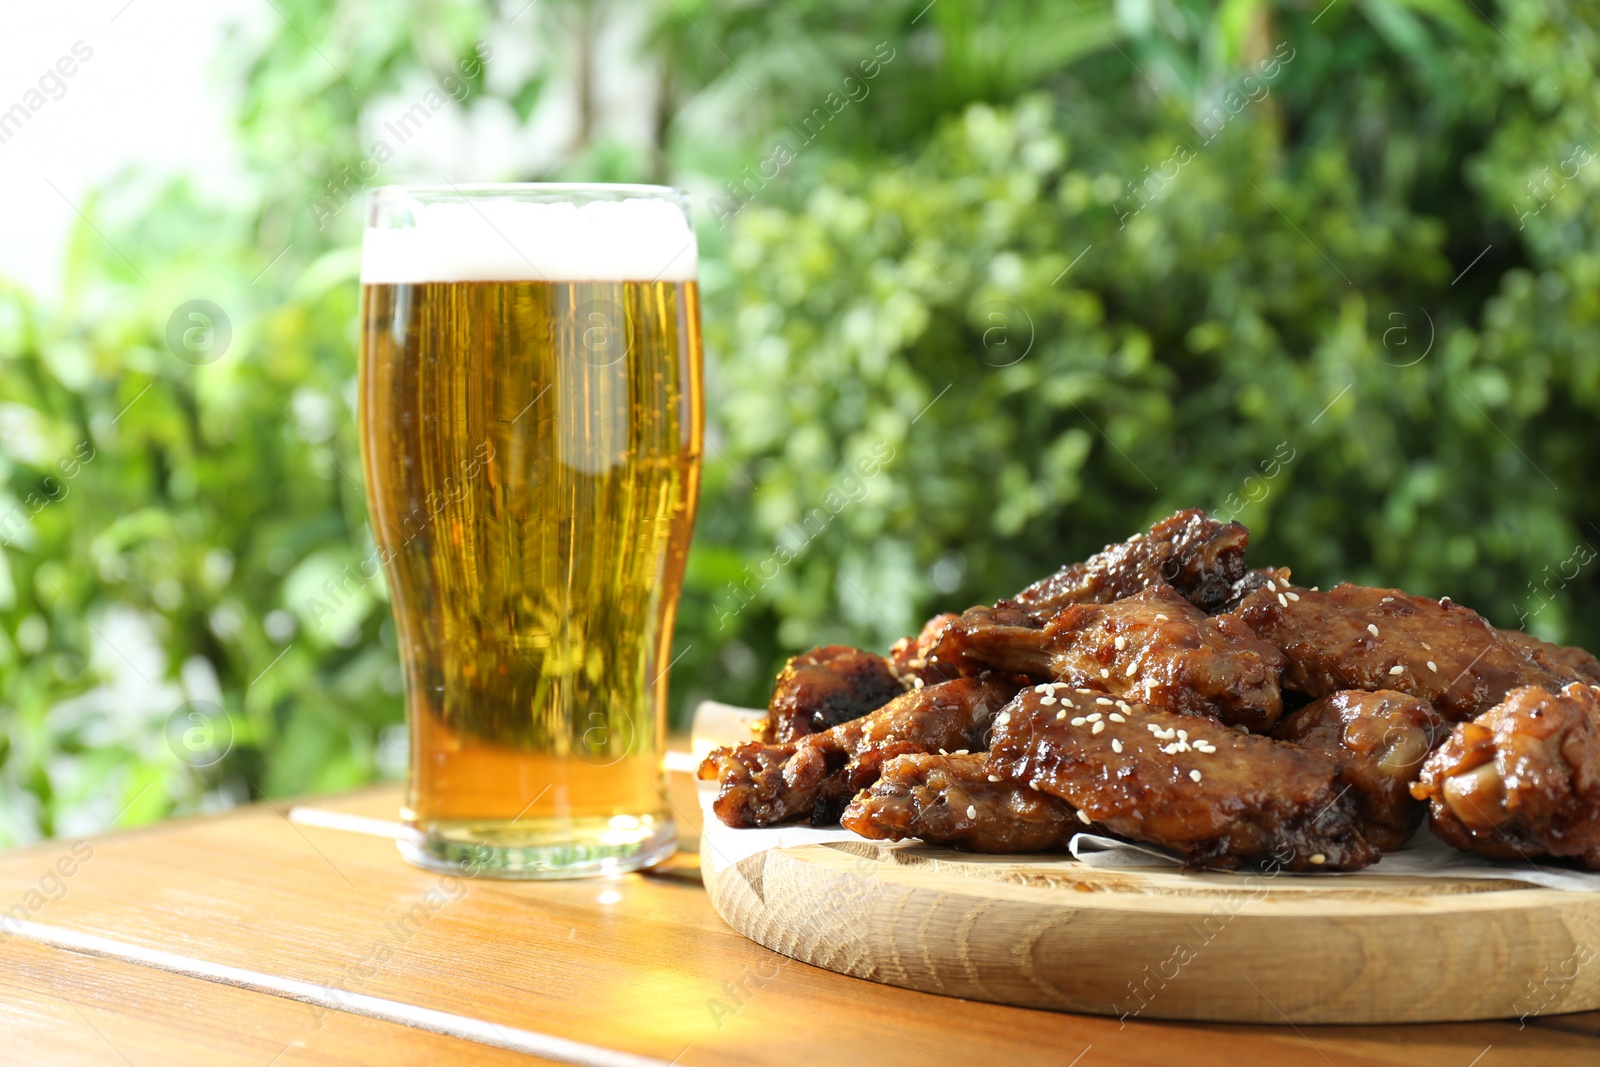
[{"x": 532, "y": 452}]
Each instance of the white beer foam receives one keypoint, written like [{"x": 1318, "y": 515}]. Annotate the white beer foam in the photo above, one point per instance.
[{"x": 637, "y": 240}]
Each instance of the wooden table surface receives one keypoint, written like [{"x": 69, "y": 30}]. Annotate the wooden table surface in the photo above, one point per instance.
[{"x": 259, "y": 937}]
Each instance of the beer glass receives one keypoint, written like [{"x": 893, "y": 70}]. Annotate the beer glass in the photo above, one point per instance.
[{"x": 531, "y": 422}]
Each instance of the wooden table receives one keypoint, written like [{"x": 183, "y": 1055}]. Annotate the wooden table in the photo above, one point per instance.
[{"x": 258, "y": 939}]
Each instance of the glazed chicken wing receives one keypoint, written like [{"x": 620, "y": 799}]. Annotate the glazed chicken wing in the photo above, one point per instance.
[
  {"x": 909, "y": 656},
  {"x": 1220, "y": 797},
  {"x": 1154, "y": 647},
  {"x": 1522, "y": 780},
  {"x": 1557, "y": 659},
  {"x": 1379, "y": 741},
  {"x": 825, "y": 687},
  {"x": 1259, "y": 578},
  {"x": 1153, "y": 679},
  {"x": 763, "y": 784},
  {"x": 957, "y": 800},
  {"x": 1190, "y": 551},
  {"x": 1356, "y": 637}
]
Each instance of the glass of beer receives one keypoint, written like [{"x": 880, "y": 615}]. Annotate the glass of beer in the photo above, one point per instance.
[{"x": 531, "y": 423}]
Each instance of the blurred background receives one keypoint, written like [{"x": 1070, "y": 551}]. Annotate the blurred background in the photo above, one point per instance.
[{"x": 987, "y": 284}]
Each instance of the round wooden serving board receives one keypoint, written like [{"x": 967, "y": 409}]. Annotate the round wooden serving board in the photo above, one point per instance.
[{"x": 1050, "y": 932}]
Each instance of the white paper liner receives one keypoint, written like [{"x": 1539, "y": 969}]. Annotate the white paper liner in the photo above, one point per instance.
[{"x": 1425, "y": 856}]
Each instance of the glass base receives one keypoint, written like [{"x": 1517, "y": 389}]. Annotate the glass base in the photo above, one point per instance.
[{"x": 542, "y": 848}]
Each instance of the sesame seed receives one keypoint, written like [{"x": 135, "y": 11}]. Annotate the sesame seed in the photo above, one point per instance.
[
  {"x": 1093, "y": 716},
  {"x": 1105, "y": 673},
  {"x": 1283, "y": 601},
  {"x": 1319, "y": 858},
  {"x": 1062, "y": 714},
  {"x": 1153, "y": 728},
  {"x": 1103, "y": 700},
  {"x": 972, "y": 812},
  {"x": 1183, "y": 735},
  {"x": 1160, "y": 618},
  {"x": 1397, "y": 669},
  {"x": 1120, "y": 643},
  {"x": 1079, "y": 721},
  {"x": 960, "y": 752},
  {"x": 1033, "y": 785},
  {"x": 1114, "y": 717},
  {"x": 1047, "y": 701},
  {"x": 1086, "y": 690},
  {"x": 1386, "y": 599},
  {"x": 1432, "y": 666},
  {"x": 1427, "y": 646},
  {"x": 1372, "y": 628},
  {"x": 1116, "y": 746},
  {"x": 1099, "y": 726},
  {"x": 916, "y": 683},
  {"x": 1194, "y": 775},
  {"x": 994, "y": 777},
  {"x": 1272, "y": 585},
  {"x": 942, "y": 752},
  {"x": 1042, "y": 689},
  {"x": 1083, "y": 818},
  {"x": 1003, "y": 718},
  {"x": 1292, "y": 596}
]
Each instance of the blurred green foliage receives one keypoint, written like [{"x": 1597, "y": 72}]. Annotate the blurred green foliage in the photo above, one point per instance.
[{"x": 1042, "y": 276}]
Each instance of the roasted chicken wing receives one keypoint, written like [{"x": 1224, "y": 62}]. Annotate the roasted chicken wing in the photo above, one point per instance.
[
  {"x": 1190, "y": 551},
  {"x": 1379, "y": 741},
  {"x": 909, "y": 656},
  {"x": 815, "y": 776},
  {"x": 1148, "y": 676},
  {"x": 825, "y": 687},
  {"x": 1522, "y": 780},
  {"x": 958, "y": 800},
  {"x": 1220, "y": 797},
  {"x": 1356, "y": 637},
  {"x": 1155, "y": 647},
  {"x": 1557, "y": 659},
  {"x": 1259, "y": 578}
]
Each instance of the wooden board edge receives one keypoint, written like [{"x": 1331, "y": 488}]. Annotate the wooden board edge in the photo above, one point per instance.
[{"x": 855, "y": 922}]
